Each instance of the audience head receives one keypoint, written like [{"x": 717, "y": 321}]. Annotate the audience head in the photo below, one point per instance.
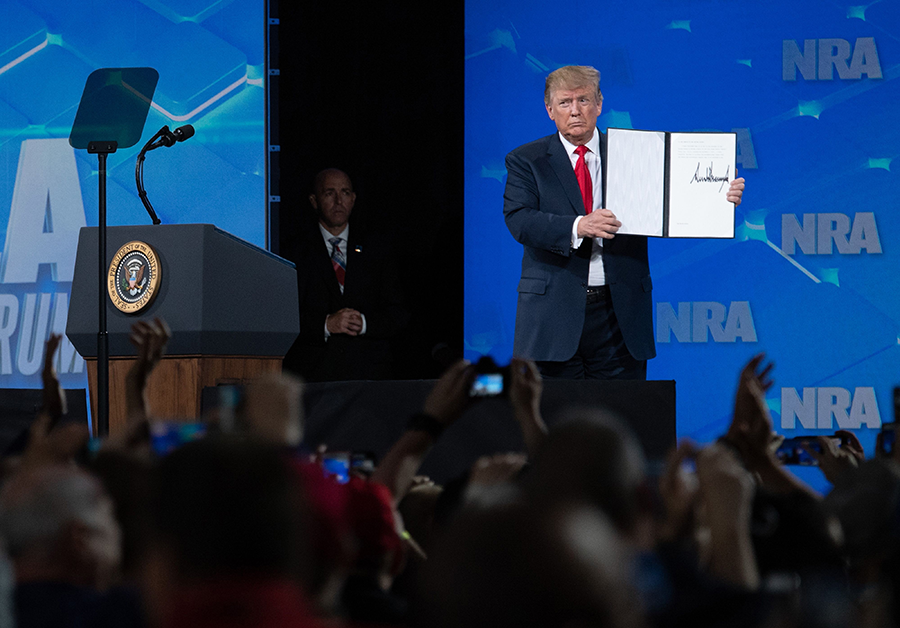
[
  {"x": 592, "y": 456},
  {"x": 419, "y": 511},
  {"x": 867, "y": 503},
  {"x": 794, "y": 533},
  {"x": 224, "y": 506},
  {"x": 273, "y": 409},
  {"x": 519, "y": 566},
  {"x": 224, "y": 509},
  {"x": 331, "y": 552},
  {"x": 376, "y": 530},
  {"x": 58, "y": 525},
  {"x": 127, "y": 478},
  {"x": 333, "y": 199}
]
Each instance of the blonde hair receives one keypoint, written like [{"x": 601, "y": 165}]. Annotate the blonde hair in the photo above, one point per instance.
[{"x": 572, "y": 77}]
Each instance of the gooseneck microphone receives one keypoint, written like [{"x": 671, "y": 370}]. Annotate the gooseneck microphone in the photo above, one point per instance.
[
  {"x": 163, "y": 137},
  {"x": 168, "y": 138},
  {"x": 182, "y": 133}
]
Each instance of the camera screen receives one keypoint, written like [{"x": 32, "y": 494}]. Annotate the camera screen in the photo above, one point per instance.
[
  {"x": 337, "y": 465},
  {"x": 793, "y": 450},
  {"x": 167, "y": 436},
  {"x": 487, "y": 385},
  {"x": 794, "y": 454}
]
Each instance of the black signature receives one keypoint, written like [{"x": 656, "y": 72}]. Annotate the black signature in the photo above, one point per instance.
[{"x": 710, "y": 178}]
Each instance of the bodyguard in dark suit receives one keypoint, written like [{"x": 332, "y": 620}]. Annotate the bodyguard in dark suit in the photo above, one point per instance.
[
  {"x": 585, "y": 305},
  {"x": 351, "y": 303}
]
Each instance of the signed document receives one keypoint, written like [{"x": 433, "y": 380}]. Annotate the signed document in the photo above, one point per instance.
[{"x": 671, "y": 185}]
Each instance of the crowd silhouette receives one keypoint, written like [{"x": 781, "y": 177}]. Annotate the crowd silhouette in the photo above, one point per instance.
[{"x": 246, "y": 525}]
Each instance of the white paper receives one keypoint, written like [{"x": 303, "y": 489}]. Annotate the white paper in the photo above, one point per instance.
[
  {"x": 701, "y": 167},
  {"x": 634, "y": 179}
]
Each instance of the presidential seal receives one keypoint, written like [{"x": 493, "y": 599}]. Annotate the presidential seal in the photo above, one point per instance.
[{"x": 133, "y": 277}]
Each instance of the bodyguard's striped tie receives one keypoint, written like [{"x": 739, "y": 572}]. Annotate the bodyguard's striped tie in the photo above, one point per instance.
[{"x": 338, "y": 261}]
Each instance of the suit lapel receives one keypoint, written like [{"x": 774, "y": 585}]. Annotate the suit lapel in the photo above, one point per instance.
[
  {"x": 353, "y": 261},
  {"x": 562, "y": 166}
]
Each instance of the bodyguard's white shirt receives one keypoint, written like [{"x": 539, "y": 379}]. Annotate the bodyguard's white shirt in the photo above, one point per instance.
[
  {"x": 345, "y": 240},
  {"x": 596, "y": 275}
]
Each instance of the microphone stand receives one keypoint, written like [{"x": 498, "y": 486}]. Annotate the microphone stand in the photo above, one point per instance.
[{"x": 163, "y": 136}]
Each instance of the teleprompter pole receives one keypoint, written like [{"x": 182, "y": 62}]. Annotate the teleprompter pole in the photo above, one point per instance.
[{"x": 102, "y": 150}]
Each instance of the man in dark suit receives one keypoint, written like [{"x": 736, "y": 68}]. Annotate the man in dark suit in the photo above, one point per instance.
[
  {"x": 351, "y": 303},
  {"x": 585, "y": 305}
]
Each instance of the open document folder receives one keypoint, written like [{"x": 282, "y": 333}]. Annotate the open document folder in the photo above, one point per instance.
[{"x": 671, "y": 185}]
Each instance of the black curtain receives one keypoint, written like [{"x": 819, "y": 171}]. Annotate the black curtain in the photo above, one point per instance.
[{"x": 376, "y": 89}]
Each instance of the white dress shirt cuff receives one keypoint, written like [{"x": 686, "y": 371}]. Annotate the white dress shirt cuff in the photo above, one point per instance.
[{"x": 576, "y": 241}]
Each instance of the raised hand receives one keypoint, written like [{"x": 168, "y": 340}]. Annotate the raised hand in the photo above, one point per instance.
[
  {"x": 450, "y": 395},
  {"x": 751, "y": 428},
  {"x": 445, "y": 404},
  {"x": 150, "y": 339},
  {"x": 833, "y": 460},
  {"x": 678, "y": 490},
  {"x": 54, "y": 404},
  {"x": 48, "y": 444},
  {"x": 850, "y": 443},
  {"x": 727, "y": 489},
  {"x": 525, "y": 390}
]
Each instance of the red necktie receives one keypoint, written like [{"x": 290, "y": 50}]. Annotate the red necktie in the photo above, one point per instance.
[{"x": 584, "y": 179}]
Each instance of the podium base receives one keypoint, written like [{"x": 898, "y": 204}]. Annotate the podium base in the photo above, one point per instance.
[{"x": 175, "y": 387}]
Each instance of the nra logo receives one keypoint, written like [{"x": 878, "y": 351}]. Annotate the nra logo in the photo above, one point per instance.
[
  {"x": 821, "y": 234},
  {"x": 698, "y": 321},
  {"x": 821, "y": 57},
  {"x": 820, "y": 408}
]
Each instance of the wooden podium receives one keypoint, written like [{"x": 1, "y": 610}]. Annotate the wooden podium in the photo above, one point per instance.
[
  {"x": 175, "y": 387},
  {"x": 231, "y": 306}
]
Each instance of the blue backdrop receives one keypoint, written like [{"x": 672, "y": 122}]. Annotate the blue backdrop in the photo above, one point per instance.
[
  {"x": 210, "y": 55},
  {"x": 811, "y": 277}
]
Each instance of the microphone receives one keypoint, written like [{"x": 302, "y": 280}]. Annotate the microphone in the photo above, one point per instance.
[
  {"x": 182, "y": 133},
  {"x": 163, "y": 137},
  {"x": 168, "y": 138}
]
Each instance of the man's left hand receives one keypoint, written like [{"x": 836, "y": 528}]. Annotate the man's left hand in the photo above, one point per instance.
[{"x": 735, "y": 191}]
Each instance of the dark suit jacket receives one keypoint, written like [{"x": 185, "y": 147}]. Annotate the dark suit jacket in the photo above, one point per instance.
[
  {"x": 371, "y": 285},
  {"x": 541, "y": 201}
]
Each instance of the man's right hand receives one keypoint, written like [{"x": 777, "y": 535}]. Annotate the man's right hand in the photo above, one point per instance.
[
  {"x": 345, "y": 321},
  {"x": 600, "y": 223},
  {"x": 450, "y": 395}
]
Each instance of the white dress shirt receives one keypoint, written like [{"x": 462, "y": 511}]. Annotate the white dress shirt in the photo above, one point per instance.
[{"x": 596, "y": 275}]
